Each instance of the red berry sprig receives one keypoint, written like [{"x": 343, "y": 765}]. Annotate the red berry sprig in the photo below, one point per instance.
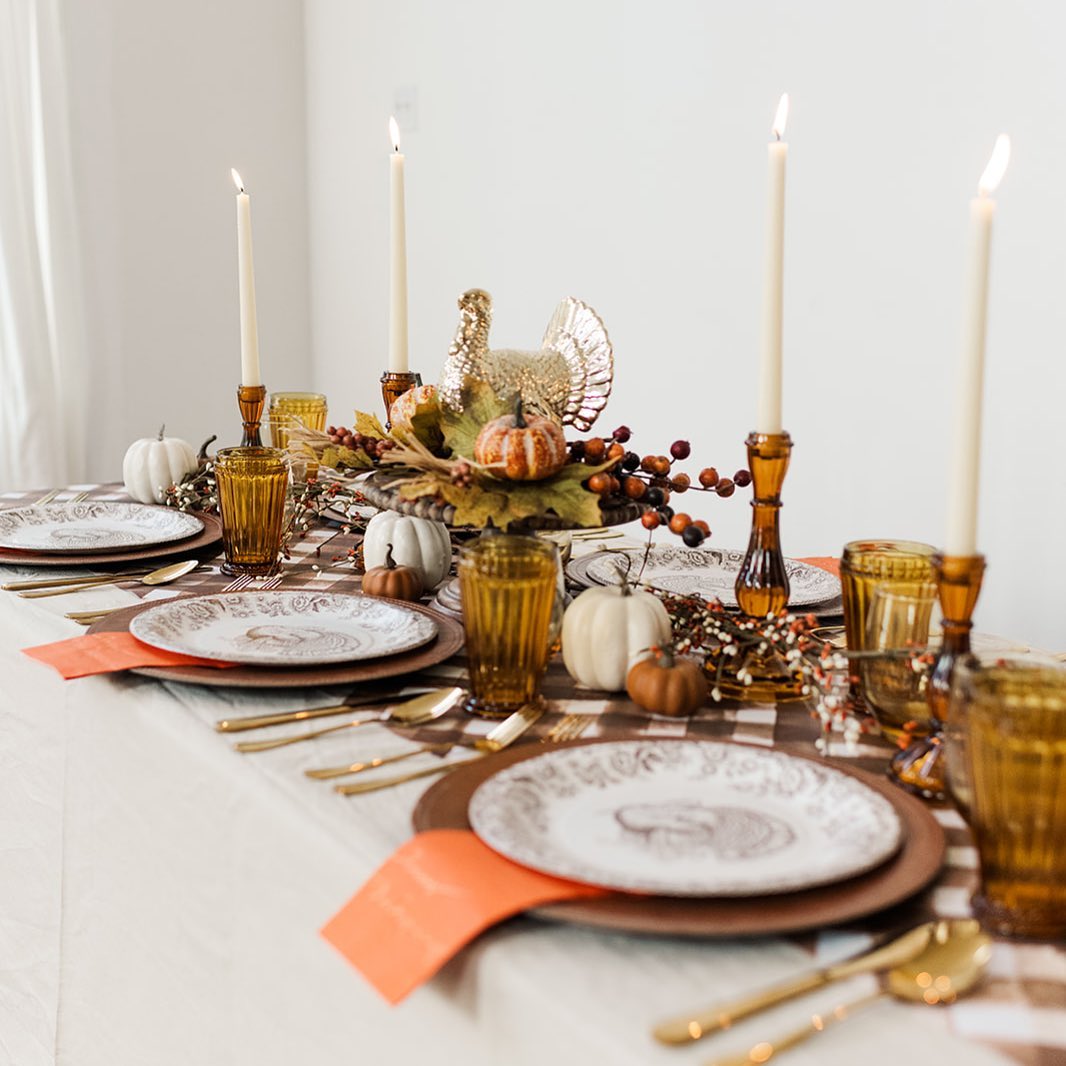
[
  {"x": 373, "y": 447},
  {"x": 651, "y": 479}
]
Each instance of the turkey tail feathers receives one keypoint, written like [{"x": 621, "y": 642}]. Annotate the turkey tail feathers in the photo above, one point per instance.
[{"x": 578, "y": 334}]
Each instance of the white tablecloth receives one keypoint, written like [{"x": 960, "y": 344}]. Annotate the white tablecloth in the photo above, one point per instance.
[{"x": 161, "y": 896}]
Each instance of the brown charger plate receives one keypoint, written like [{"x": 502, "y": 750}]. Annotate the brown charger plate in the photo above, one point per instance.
[
  {"x": 448, "y": 641},
  {"x": 918, "y": 861},
  {"x": 211, "y": 534}
]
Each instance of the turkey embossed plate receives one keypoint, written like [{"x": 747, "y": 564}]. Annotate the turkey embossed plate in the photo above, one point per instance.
[
  {"x": 94, "y": 526},
  {"x": 695, "y": 819},
  {"x": 704, "y": 572},
  {"x": 283, "y": 628}
]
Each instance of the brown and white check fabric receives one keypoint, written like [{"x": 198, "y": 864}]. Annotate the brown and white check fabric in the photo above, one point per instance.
[{"x": 1020, "y": 1010}]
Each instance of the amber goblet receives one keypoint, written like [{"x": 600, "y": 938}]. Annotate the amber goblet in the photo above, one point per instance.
[
  {"x": 1013, "y": 756},
  {"x": 897, "y": 630}
]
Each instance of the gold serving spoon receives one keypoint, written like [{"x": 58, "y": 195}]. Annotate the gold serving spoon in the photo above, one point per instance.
[
  {"x": 163, "y": 576},
  {"x": 950, "y": 965},
  {"x": 421, "y": 709}
]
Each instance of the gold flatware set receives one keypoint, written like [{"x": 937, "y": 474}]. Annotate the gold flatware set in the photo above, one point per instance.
[
  {"x": 933, "y": 963},
  {"x": 418, "y": 710}
]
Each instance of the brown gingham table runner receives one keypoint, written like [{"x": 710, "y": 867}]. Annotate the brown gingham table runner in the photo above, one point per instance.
[{"x": 1020, "y": 1009}]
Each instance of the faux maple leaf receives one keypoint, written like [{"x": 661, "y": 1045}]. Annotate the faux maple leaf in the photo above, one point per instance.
[{"x": 480, "y": 405}]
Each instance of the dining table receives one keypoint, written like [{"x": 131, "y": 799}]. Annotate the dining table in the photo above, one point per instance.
[{"x": 162, "y": 895}]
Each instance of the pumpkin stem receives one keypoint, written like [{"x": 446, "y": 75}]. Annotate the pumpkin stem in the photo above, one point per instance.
[
  {"x": 390, "y": 562},
  {"x": 519, "y": 417},
  {"x": 623, "y": 575},
  {"x": 162, "y": 430},
  {"x": 202, "y": 453}
]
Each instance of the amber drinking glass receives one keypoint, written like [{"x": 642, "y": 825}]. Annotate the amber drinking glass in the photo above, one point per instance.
[
  {"x": 897, "y": 627},
  {"x": 1014, "y": 732},
  {"x": 252, "y": 491},
  {"x": 289, "y": 408},
  {"x": 865, "y": 564},
  {"x": 508, "y": 586}
]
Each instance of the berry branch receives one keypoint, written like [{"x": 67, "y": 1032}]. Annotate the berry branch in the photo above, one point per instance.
[{"x": 652, "y": 479}]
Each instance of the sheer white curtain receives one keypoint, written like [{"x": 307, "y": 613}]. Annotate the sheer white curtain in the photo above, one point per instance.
[{"x": 43, "y": 372}]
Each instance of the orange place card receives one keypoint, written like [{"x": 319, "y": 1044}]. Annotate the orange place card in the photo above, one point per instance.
[
  {"x": 429, "y": 900},
  {"x": 106, "y": 653}
]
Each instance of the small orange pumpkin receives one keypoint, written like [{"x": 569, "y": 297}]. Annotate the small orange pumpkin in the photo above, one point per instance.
[
  {"x": 523, "y": 448},
  {"x": 667, "y": 685},
  {"x": 406, "y": 406},
  {"x": 392, "y": 581}
]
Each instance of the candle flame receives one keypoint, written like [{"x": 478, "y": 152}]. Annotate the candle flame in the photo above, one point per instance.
[
  {"x": 394, "y": 133},
  {"x": 237, "y": 180},
  {"x": 997, "y": 166},
  {"x": 780, "y": 117}
]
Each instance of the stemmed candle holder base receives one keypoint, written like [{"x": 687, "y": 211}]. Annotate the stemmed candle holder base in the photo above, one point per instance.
[
  {"x": 762, "y": 584},
  {"x": 250, "y": 400},
  {"x": 920, "y": 767},
  {"x": 393, "y": 385}
]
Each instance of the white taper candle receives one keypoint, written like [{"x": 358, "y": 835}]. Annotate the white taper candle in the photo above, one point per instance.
[
  {"x": 768, "y": 412},
  {"x": 246, "y": 278},
  {"x": 965, "y": 463},
  {"x": 397, "y": 258}
]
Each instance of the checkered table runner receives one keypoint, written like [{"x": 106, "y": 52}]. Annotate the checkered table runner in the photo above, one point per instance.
[{"x": 1020, "y": 1009}]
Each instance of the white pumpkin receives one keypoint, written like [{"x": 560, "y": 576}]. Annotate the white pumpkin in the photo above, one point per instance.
[
  {"x": 153, "y": 464},
  {"x": 606, "y": 629},
  {"x": 417, "y": 542}
]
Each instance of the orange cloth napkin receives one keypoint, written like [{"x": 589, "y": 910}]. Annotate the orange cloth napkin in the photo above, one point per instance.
[
  {"x": 431, "y": 898},
  {"x": 825, "y": 562},
  {"x": 104, "y": 653}
]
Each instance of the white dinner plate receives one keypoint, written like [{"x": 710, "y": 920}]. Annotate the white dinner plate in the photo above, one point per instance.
[
  {"x": 93, "y": 526},
  {"x": 283, "y": 628},
  {"x": 706, "y": 572},
  {"x": 703, "y": 818}
]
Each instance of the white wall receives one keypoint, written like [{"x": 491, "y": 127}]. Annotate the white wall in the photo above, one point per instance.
[
  {"x": 614, "y": 150},
  {"x": 166, "y": 97}
]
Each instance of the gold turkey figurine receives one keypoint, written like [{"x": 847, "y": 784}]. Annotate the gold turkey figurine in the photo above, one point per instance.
[{"x": 568, "y": 379}]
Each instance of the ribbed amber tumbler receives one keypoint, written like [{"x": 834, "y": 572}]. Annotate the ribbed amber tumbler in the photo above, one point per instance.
[
  {"x": 1014, "y": 734},
  {"x": 252, "y": 489},
  {"x": 508, "y": 590},
  {"x": 865, "y": 564},
  {"x": 310, "y": 408}
]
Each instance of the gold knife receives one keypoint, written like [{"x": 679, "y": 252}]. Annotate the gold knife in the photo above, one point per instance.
[
  {"x": 690, "y": 1027},
  {"x": 59, "y": 582},
  {"x": 508, "y": 731}
]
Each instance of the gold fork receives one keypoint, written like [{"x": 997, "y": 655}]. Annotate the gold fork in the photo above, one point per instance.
[
  {"x": 569, "y": 727},
  {"x": 509, "y": 730},
  {"x": 379, "y": 760}
]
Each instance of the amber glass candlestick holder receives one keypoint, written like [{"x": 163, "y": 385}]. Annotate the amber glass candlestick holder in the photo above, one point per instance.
[
  {"x": 919, "y": 768},
  {"x": 762, "y": 584},
  {"x": 393, "y": 385},
  {"x": 250, "y": 400}
]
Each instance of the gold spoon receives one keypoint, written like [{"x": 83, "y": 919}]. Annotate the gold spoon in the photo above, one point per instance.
[
  {"x": 418, "y": 711},
  {"x": 164, "y": 575},
  {"x": 951, "y": 964}
]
